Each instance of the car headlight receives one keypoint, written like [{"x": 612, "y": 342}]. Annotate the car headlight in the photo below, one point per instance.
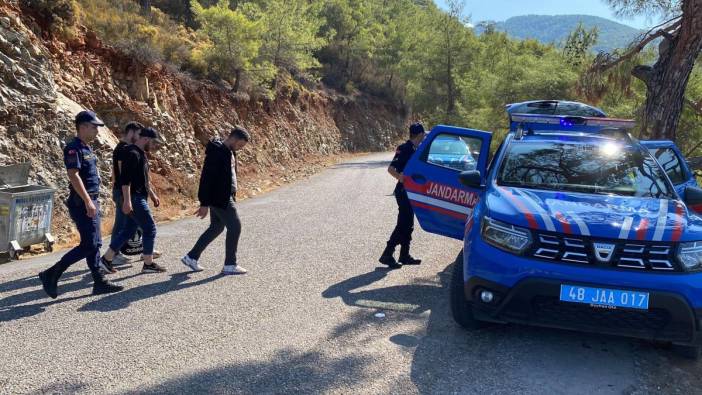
[
  {"x": 505, "y": 236},
  {"x": 690, "y": 256}
]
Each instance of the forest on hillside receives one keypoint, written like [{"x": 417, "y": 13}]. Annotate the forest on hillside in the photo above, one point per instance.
[
  {"x": 555, "y": 29},
  {"x": 408, "y": 51}
]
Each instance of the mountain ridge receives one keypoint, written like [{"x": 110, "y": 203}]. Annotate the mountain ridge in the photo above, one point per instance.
[{"x": 555, "y": 29}]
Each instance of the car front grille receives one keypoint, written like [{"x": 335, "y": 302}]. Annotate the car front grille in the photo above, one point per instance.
[
  {"x": 624, "y": 254},
  {"x": 653, "y": 323}
]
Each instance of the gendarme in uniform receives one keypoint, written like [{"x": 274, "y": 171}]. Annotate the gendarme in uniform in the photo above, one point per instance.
[
  {"x": 402, "y": 234},
  {"x": 77, "y": 155}
]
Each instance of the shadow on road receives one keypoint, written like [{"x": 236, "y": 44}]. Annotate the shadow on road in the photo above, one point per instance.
[
  {"x": 122, "y": 300},
  {"x": 33, "y": 281},
  {"x": 501, "y": 358},
  {"x": 13, "y": 307},
  {"x": 285, "y": 372}
]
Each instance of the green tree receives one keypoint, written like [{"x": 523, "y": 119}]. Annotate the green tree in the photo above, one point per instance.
[
  {"x": 354, "y": 31},
  {"x": 445, "y": 54},
  {"x": 578, "y": 45},
  {"x": 680, "y": 45},
  {"x": 291, "y": 33},
  {"x": 397, "y": 41},
  {"x": 234, "y": 40}
]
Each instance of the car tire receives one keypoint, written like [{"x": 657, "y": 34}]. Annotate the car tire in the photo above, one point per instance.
[
  {"x": 689, "y": 352},
  {"x": 461, "y": 309}
]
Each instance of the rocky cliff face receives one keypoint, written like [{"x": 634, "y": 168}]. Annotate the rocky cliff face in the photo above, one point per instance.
[{"x": 44, "y": 81}]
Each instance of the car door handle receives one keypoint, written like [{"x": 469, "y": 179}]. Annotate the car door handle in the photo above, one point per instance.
[{"x": 418, "y": 178}]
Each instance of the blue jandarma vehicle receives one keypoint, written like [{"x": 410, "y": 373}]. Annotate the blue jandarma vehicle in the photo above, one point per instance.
[{"x": 572, "y": 224}]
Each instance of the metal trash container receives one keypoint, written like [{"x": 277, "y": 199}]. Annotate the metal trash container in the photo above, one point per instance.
[{"x": 25, "y": 211}]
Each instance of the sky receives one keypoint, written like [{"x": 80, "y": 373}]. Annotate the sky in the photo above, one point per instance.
[{"x": 500, "y": 10}]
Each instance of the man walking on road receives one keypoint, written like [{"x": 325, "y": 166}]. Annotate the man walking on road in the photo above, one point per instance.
[
  {"x": 129, "y": 136},
  {"x": 217, "y": 194},
  {"x": 402, "y": 234},
  {"x": 83, "y": 207},
  {"x": 136, "y": 190}
]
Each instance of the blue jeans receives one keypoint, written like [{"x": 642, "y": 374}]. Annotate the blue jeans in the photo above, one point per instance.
[
  {"x": 120, "y": 217},
  {"x": 140, "y": 218},
  {"x": 90, "y": 237}
]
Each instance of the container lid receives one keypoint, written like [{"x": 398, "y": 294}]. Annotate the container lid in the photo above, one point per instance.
[{"x": 14, "y": 175}]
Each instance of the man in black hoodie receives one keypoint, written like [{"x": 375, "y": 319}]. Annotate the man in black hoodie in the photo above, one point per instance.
[{"x": 217, "y": 194}]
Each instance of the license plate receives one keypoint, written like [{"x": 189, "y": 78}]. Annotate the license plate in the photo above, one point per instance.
[{"x": 607, "y": 298}]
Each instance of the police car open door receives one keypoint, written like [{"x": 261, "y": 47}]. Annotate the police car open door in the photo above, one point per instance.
[
  {"x": 441, "y": 203},
  {"x": 674, "y": 164}
]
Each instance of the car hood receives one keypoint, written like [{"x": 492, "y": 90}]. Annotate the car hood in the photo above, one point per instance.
[{"x": 604, "y": 216}]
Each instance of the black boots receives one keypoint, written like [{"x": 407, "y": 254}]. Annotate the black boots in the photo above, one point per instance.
[
  {"x": 49, "y": 281},
  {"x": 388, "y": 259},
  {"x": 104, "y": 286},
  {"x": 406, "y": 258}
]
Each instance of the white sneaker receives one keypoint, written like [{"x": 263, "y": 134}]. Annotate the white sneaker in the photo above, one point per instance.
[
  {"x": 233, "y": 269},
  {"x": 191, "y": 263}
]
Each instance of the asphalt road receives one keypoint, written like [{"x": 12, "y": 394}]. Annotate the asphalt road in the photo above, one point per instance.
[{"x": 304, "y": 319}]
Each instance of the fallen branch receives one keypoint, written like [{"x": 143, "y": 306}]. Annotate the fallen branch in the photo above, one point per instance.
[
  {"x": 692, "y": 151},
  {"x": 605, "y": 61},
  {"x": 695, "y": 163}
]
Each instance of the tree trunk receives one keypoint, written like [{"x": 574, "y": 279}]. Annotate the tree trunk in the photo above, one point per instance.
[
  {"x": 145, "y": 6},
  {"x": 237, "y": 80},
  {"x": 667, "y": 80},
  {"x": 450, "y": 97}
]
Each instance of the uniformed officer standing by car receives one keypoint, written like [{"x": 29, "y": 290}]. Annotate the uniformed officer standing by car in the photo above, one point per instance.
[
  {"x": 83, "y": 207},
  {"x": 402, "y": 234}
]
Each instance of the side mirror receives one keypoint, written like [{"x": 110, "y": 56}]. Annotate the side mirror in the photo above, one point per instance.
[
  {"x": 693, "y": 199},
  {"x": 473, "y": 179}
]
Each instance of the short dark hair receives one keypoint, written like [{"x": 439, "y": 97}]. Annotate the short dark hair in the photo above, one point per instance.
[
  {"x": 135, "y": 126},
  {"x": 415, "y": 129},
  {"x": 240, "y": 133}
]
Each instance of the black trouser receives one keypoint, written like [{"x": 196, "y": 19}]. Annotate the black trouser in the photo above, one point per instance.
[
  {"x": 402, "y": 234},
  {"x": 219, "y": 219},
  {"x": 90, "y": 237}
]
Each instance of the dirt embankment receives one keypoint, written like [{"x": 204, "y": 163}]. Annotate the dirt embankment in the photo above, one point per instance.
[{"x": 44, "y": 81}]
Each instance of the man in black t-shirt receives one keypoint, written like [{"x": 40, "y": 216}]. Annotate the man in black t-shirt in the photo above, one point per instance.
[
  {"x": 136, "y": 190},
  {"x": 129, "y": 134},
  {"x": 402, "y": 234}
]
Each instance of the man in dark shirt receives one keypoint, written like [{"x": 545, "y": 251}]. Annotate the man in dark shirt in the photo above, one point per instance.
[
  {"x": 402, "y": 234},
  {"x": 134, "y": 181},
  {"x": 129, "y": 135},
  {"x": 217, "y": 194},
  {"x": 83, "y": 207}
]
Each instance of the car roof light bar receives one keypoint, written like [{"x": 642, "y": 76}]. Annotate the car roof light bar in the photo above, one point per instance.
[{"x": 570, "y": 121}]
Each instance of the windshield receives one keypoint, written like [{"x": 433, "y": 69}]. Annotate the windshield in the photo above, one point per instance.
[{"x": 606, "y": 168}]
